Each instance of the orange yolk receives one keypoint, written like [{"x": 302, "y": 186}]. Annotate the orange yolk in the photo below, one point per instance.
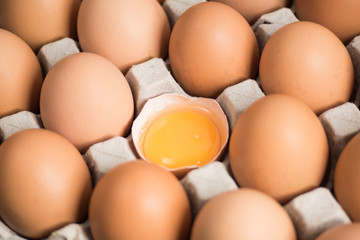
[{"x": 182, "y": 138}]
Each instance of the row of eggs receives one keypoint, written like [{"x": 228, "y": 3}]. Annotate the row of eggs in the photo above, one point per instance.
[
  {"x": 86, "y": 99},
  {"x": 39, "y": 22},
  {"x": 206, "y": 54}
]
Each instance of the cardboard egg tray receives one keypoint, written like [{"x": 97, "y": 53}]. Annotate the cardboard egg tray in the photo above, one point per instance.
[{"x": 312, "y": 212}]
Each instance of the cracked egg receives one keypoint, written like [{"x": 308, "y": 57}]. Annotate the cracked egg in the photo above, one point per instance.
[{"x": 180, "y": 133}]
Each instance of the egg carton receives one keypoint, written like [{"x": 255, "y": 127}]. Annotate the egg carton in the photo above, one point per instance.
[{"x": 312, "y": 213}]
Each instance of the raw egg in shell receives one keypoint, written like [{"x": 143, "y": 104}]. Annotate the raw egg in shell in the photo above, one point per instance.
[{"x": 180, "y": 133}]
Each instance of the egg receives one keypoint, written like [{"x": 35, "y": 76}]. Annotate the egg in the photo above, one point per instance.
[
  {"x": 343, "y": 232},
  {"x": 39, "y": 22},
  {"x": 242, "y": 214},
  {"x": 212, "y": 47},
  {"x": 278, "y": 146},
  {"x": 86, "y": 99},
  {"x": 340, "y": 17},
  {"x": 252, "y": 10},
  {"x": 21, "y": 76},
  {"x": 125, "y": 32},
  {"x": 180, "y": 133},
  {"x": 307, "y": 61},
  {"x": 44, "y": 183},
  {"x": 139, "y": 200},
  {"x": 347, "y": 179}
]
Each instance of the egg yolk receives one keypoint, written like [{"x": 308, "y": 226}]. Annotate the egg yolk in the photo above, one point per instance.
[{"x": 182, "y": 138}]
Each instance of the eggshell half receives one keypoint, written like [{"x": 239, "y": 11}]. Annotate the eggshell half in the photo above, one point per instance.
[{"x": 165, "y": 103}]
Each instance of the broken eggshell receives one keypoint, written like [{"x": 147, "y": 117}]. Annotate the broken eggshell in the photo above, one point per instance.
[{"x": 166, "y": 103}]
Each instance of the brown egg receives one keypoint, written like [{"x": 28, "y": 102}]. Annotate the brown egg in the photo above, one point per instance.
[
  {"x": 251, "y": 10},
  {"x": 139, "y": 200},
  {"x": 278, "y": 146},
  {"x": 38, "y": 21},
  {"x": 212, "y": 47},
  {"x": 341, "y": 17},
  {"x": 343, "y": 232},
  {"x": 125, "y": 32},
  {"x": 44, "y": 183},
  {"x": 347, "y": 178},
  {"x": 86, "y": 99},
  {"x": 21, "y": 76},
  {"x": 243, "y": 214},
  {"x": 307, "y": 61}
]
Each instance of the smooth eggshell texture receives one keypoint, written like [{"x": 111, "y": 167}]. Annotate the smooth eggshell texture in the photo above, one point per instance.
[
  {"x": 125, "y": 32},
  {"x": 44, "y": 183},
  {"x": 278, "y": 146},
  {"x": 251, "y": 10},
  {"x": 40, "y": 21},
  {"x": 307, "y": 61},
  {"x": 341, "y": 17},
  {"x": 343, "y": 232},
  {"x": 86, "y": 99},
  {"x": 139, "y": 200},
  {"x": 347, "y": 179},
  {"x": 21, "y": 76},
  {"x": 243, "y": 214},
  {"x": 212, "y": 47}
]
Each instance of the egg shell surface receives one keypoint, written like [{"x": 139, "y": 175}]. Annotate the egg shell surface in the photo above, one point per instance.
[
  {"x": 243, "y": 214},
  {"x": 139, "y": 200},
  {"x": 44, "y": 183},
  {"x": 341, "y": 17},
  {"x": 347, "y": 179},
  {"x": 279, "y": 146},
  {"x": 39, "y": 22},
  {"x": 212, "y": 47},
  {"x": 125, "y": 32},
  {"x": 20, "y": 76},
  {"x": 86, "y": 99},
  {"x": 307, "y": 61}
]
